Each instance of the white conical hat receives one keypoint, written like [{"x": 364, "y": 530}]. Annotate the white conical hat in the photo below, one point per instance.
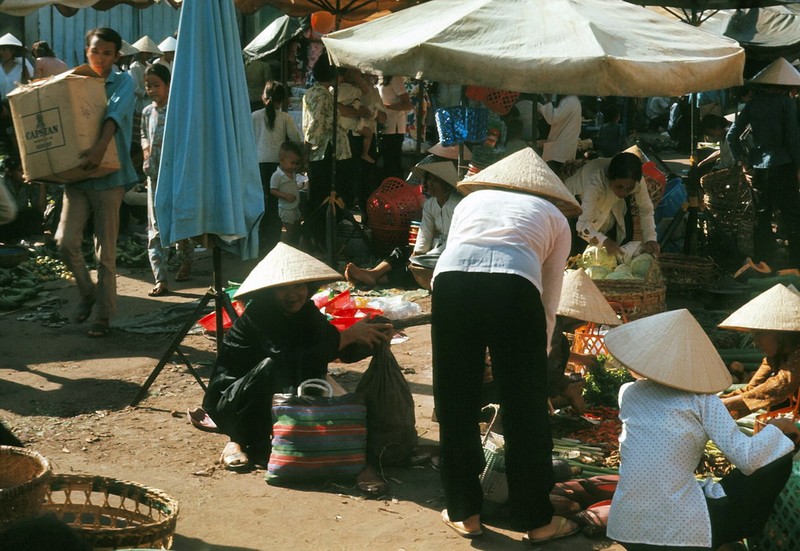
[
  {"x": 636, "y": 150},
  {"x": 778, "y": 73},
  {"x": 776, "y": 309},
  {"x": 168, "y": 44},
  {"x": 449, "y": 152},
  {"x": 9, "y": 39},
  {"x": 127, "y": 49},
  {"x": 582, "y": 300},
  {"x": 672, "y": 349},
  {"x": 443, "y": 169},
  {"x": 523, "y": 171},
  {"x": 285, "y": 265},
  {"x": 148, "y": 45}
]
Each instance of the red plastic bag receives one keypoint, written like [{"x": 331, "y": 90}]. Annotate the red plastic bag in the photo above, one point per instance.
[{"x": 209, "y": 322}]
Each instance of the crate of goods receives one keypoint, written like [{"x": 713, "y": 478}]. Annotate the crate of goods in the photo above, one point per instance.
[
  {"x": 24, "y": 479},
  {"x": 55, "y": 120},
  {"x": 686, "y": 272},
  {"x": 112, "y": 513}
]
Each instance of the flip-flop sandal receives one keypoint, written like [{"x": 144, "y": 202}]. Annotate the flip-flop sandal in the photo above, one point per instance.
[
  {"x": 99, "y": 330},
  {"x": 562, "y": 531},
  {"x": 159, "y": 290},
  {"x": 373, "y": 489},
  {"x": 200, "y": 419},
  {"x": 183, "y": 273},
  {"x": 236, "y": 461},
  {"x": 463, "y": 532}
]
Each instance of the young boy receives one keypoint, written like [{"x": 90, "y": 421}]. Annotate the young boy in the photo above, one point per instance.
[
  {"x": 101, "y": 197},
  {"x": 284, "y": 186}
]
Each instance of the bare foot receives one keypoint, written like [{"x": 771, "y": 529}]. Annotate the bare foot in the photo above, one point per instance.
[
  {"x": 366, "y": 157},
  {"x": 574, "y": 395},
  {"x": 354, "y": 274},
  {"x": 468, "y": 528}
]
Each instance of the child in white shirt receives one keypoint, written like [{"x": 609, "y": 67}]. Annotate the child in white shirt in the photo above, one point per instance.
[{"x": 284, "y": 185}]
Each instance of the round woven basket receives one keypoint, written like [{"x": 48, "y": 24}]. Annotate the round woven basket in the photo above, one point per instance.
[
  {"x": 423, "y": 276},
  {"x": 637, "y": 299},
  {"x": 24, "y": 478},
  {"x": 686, "y": 272},
  {"x": 113, "y": 513}
]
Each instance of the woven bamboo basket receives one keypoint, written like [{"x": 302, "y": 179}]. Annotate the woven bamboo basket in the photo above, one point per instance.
[
  {"x": 686, "y": 272},
  {"x": 638, "y": 299},
  {"x": 110, "y": 513},
  {"x": 727, "y": 199},
  {"x": 24, "y": 478}
]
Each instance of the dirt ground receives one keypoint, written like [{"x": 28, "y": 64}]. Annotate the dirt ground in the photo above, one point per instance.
[{"x": 67, "y": 396}]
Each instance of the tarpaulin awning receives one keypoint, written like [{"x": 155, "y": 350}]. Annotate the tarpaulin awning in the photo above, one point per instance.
[
  {"x": 209, "y": 181},
  {"x": 588, "y": 47},
  {"x": 283, "y": 29}
]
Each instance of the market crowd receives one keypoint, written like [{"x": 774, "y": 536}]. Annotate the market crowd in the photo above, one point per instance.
[{"x": 502, "y": 236}]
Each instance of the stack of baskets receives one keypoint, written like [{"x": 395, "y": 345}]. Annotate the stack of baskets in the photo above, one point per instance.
[
  {"x": 391, "y": 209},
  {"x": 637, "y": 298},
  {"x": 24, "y": 479},
  {"x": 113, "y": 513},
  {"x": 728, "y": 203}
]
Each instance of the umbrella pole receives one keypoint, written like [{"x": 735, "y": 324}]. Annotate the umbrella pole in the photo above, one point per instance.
[{"x": 221, "y": 301}]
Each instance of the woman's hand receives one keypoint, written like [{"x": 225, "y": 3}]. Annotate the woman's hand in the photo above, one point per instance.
[
  {"x": 370, "y": 334},
  {"x": 612, "y": 247},
  {"x": 652, "y": 247}
]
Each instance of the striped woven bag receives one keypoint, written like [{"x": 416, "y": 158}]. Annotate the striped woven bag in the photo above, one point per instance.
[{"x": 317, "y": 437}]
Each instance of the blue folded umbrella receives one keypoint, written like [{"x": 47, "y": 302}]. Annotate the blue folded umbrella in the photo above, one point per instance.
[{"x": 208, "y": 181}]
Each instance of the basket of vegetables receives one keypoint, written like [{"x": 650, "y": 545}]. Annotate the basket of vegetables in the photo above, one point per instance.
[{"x": 633, "y": 280}]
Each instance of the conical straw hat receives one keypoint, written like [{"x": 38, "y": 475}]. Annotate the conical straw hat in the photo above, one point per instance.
[
  {"x": 582, "y": 300},
  {"x": 147, "y": 44},
  {"x": 778, "y": 73},
  {"x": 443, "y": 169},
  {"x": 636, "y": 150},
  {"x": 776, "y": 309},
  {"x": 449, "y": 152},
  {"x": 526, "y": 172},
  {"x": 672, "y": 349},
  {"x": 9, "y": 39},
  {"x": 168, "y": 44},
  {"x": 285, "y": 265},
  {"x": 127, "y": 49}
]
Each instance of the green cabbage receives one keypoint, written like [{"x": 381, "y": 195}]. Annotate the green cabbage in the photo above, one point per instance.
[
  {"x": 624, "y": 269},
  {"x": 597, "y": 272},
  {"x": 621, "y": 275},
  {"x": 641, "y": 264},
  {"x": 598, "y": 256}
]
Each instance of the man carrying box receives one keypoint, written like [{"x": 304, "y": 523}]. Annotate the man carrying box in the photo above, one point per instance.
[{"x": 100, "y": 197}]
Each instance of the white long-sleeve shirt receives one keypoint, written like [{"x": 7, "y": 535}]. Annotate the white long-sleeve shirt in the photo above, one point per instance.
[
  {"x": 664, "y": 431},
  {"x": 269, "y": 140},
  {"x": 507, "y": 232},
  {"x": 565, "y": 129},
  {"x": 435, "y": 226},
  {"x": 602, "y": 209}
]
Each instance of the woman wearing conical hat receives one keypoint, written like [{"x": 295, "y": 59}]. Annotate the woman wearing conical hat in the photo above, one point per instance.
[
  {"x": 497, "y": 285},
  {"x": 770, "y": 158},
  {"x": 581, "y": 301},
  {"x": 668, "y": 415},
  {"x": 773, "y": 318},
  {"x": 14, "y": 68},
  {"x": 280, "y": 340}
]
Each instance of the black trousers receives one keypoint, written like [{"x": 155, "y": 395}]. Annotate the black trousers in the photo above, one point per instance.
[
  {"x": 269, "y": 231},
  {"x": 392, "y": 153},
  {"x": 776, "y": 188},
  {"x": 473, "y": 311},
  {"x": 744, "y": 510}
]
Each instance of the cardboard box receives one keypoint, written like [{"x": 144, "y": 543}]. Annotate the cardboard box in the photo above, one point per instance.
[{"x": 56, "y": 119}]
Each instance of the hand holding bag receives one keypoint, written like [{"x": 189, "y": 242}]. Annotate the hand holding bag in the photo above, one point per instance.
[{"x": 317, "y": 437}]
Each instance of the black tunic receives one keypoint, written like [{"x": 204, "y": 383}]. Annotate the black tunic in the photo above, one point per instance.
[{"x": 266, "y": 352}]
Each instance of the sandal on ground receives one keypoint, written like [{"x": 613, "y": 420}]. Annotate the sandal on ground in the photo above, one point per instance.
[
  {"x": 459, "y": 528},
  {"x": 99, "y": 329},
  {"x": 183, "y": 272},
  {"x": 234, "y": 459},
  {"x": 373, "y": 489},
  {"x": 159, "y": 290},
  {"x": 84, "y": 310},
  {"x": 200, "y": 419},
  {"x": 562, "y": 529}
]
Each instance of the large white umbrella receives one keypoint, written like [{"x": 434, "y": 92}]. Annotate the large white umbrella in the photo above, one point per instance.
[{"x": 585, "y": 47}]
